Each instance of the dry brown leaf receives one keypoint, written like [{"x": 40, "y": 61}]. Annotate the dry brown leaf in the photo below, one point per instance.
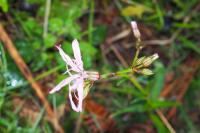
[
  {"x": 107, "y": 124},
  {"x": 28, "y": 109}
]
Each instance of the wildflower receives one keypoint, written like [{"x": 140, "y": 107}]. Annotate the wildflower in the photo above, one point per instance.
[{"x": 77, "y": 78}]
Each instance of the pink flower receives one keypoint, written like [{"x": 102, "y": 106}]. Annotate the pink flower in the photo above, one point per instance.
[
  {"x": 76, "y": 78},
  {"x": 136, "y": 32}
]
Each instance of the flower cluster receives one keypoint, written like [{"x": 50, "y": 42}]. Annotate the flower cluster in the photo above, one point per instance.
[{"x": 140, "y": 65}]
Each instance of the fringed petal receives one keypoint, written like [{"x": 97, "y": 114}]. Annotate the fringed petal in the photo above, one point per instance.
[
  {"x": 63, "y": 83},
  {"x": 77, "y": 54},
  {"x": 67, "y": 59}
]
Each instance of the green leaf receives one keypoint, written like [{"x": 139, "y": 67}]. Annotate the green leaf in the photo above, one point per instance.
[
  {"x": 186, "y": 25},
  {"x": 158, "y": 81},
  {"x": 99, "y": 34},
  {"x": 162, "y": 104},
  {"x": 138, "y": 107},
  {"x": 160, "y": 15},
  {"x": 190, "y": 44},
  {"x": 55, "y": 25},
  {"x": 50, "y": 40},
  {"x": 188, "y": 121},
  {"x": 4, "y": 5},
  {"x": 158, "y": 124},
  {"x": 135, "y": 10},
  {"x": 31, "y": 26},
  {"x": 26, "y": 50},
  {"x": 72, "y": 28},
  {"x": 125, "y": 90}
]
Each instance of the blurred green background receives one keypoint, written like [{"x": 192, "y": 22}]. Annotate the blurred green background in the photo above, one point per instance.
[{"x": 170, "y": 28}]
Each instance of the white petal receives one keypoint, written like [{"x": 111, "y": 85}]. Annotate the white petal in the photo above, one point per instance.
[
  {"x": 67, "y": 59},
  {"x": 63, "y": 83},
  {"x": 134, "y": 25},
  {"x": 74, "y": 85},
  {"x": 80, "y": 95},
  {"x": 77, "y": 53},
  {"x": 79, "y": 85},
  {"x": 72, "y": 102}
]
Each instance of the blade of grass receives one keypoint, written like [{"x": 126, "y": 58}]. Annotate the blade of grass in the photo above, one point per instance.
[
  {"x": 158, "y": 81},
  {"x": 3, "y": 63},
  {"x": 36, "y": 124},
  {"x": 159, "y": 14},
  {"x": 189, "y": 44},
  {"x": 158, "y": 124},
  {"x": 91, "y": 19}
]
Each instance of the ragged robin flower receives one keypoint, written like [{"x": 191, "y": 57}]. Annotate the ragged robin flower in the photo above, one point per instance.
[{"x": 77, "y": 76}]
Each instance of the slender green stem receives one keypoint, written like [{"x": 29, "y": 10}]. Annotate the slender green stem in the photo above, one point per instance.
[
  {"x": 138, "y": 86},
  {"x": 3, "y": 66},
  {"x": 116, "y": 74},
  {"x": 138, "y": 44},
  {"x": 91, "y": 18},
  {"x": 46, "y": 18},
  {"x": 124, "y": 71},
  {"x": 47, "y": 73},
  {"x": 4, "y": 62},
  {"x": 136, "y": 57}
]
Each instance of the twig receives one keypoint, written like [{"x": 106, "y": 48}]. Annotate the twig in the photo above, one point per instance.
[
  {"x": 28, "y": 75},
  {"x": 165, "y": 121},
  {"x": 182, "y": 85},
  {"x": 119, "y": 36},
  {"x": 101, "y": 117},
  {"x": 167, "y": 89},
  {"x": 151, "y": 42},
  {"x": 46, "y": 18},
  {"x": 119, "y": 56},
  {"x": 115, "y": 38}
]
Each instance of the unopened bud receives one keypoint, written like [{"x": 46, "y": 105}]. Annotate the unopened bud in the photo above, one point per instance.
[
  {"x": 155, "y": 56},
  {"x": 149, "y": 60},
  {"x": 146, "y": 72},
  {"x": 91, "y": 75},
  {"x": 140, "y": 60},
  {"x": 135, "y": 29}
]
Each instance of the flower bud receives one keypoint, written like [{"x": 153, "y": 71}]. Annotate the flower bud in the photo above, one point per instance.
[
  {"x": 149, "y": 60},
  {"x": 91, "y": 75},
  {"x": 155, "y": 56},
  {"x": 146, "y": 71},
  {"x": 135, "y": 29},
  {"x": 140, "y": 60}
]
